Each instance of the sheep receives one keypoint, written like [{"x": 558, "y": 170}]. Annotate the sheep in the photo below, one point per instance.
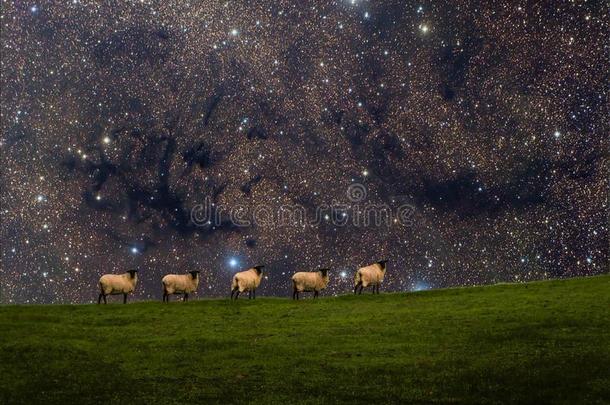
[
  {"x": 370, "y": 275},
  {"x": 248, "y": 280},
  {"x": 112, "y": 284},
  {"x": 180, "y": 284},
  {"x": 309, "y": 281}
]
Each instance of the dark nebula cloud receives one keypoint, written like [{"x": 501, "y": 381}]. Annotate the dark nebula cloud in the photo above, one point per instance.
[{"x": 490, "y": 121}]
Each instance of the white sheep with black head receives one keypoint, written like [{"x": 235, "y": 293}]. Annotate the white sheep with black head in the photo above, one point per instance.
[
  {"x": 114, "y": 284},
  {"x": 371, "y": 275},
  {"x": 309, "y": 281},
  {"x": 180, "y": 284},
  {"x": 248, "y": 280}
]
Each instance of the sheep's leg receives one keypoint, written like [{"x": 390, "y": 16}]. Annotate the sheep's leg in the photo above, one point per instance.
[
  {"x": 186, "y": 297},
  {"x": 99, "y": 299},
  {"x": 254, "y": 294},
  {"x": 356, "y": 288},
  {"x": 249, "y": 294},
  {"x": 361, "y": 288},
  {"x": 105, "y": 299},
  {"x": 378, "y": 285},
  {"x": 124, "y": 298},
  {"x": 315, "y": 294},
  {"x": 237, "y": 295}
]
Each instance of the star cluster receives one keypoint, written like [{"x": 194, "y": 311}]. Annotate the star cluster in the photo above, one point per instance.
[{"x": 489, "y": 119}]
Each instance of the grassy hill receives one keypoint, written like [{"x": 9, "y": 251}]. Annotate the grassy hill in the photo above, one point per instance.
[{"x": 529, "y": 343}]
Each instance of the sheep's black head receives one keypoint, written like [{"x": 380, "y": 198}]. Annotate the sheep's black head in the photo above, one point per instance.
[
  {"x": 324, "y": 272},
  {"x": 194, "y": 273},
  {"x": 132, "y": 273},
  {"x": 259, "y": 269},
  {"x": 382, "y": 263}
]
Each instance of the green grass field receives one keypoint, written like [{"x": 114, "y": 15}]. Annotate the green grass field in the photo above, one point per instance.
[{"x": 545, "y": 342}]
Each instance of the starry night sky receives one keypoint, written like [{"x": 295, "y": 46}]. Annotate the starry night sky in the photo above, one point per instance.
[{"x": 490, "y": 120}]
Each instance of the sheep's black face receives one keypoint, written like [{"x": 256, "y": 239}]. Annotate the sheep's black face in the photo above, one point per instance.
[
  {"x": 259, "y": 269},
  {"x": 324, "y": 272},
  {"x": 132, "y": 273},
  {"x": 194, "y": 273},
  {"x": 382, "y": 263}
]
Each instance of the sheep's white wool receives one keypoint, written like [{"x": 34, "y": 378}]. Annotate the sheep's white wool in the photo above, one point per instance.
[
  {"x": 180, "y": 283},
  {"x": 370, "y": 275},
  {"x": 309, "y": 281},
  {"x": 118, "y": 283},
  {"x": 246, "y": 280}
]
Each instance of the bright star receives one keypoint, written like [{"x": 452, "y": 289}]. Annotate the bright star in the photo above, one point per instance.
[{"x": 420, "y": 286}]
